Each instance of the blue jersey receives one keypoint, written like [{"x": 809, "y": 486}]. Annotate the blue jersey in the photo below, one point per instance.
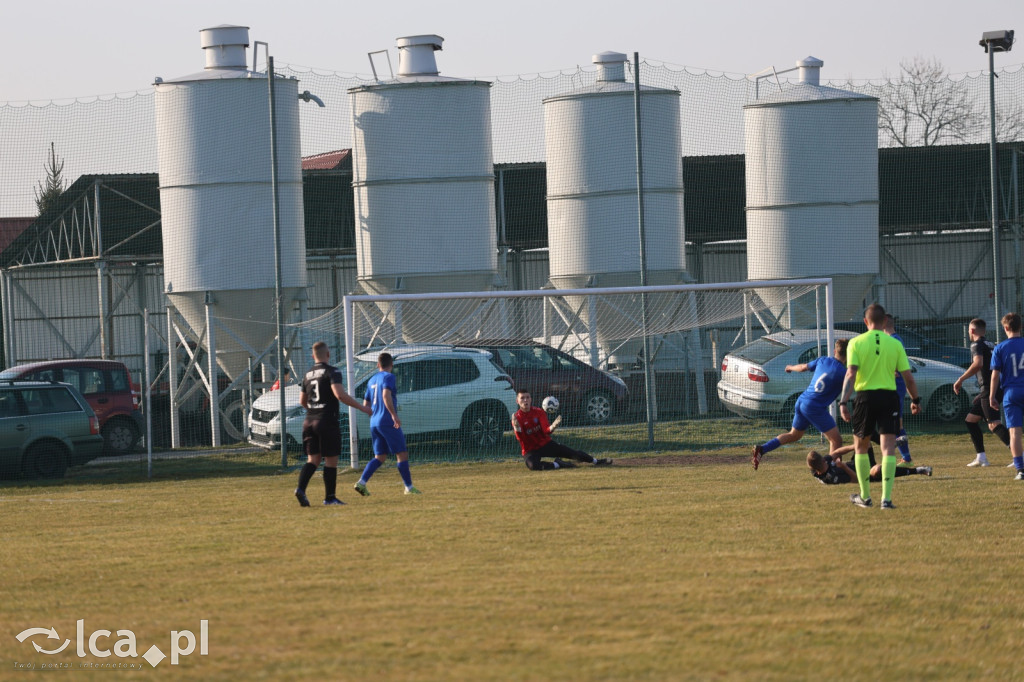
[
  {"x": 1008, "y": 358},
  {"x": 827, "y": 381},
  {"x": 901, "y": 386},
  {"x": 375, "y": 395}
]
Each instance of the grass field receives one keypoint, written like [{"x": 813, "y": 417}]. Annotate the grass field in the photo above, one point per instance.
[{"x": 674, "y": 566}]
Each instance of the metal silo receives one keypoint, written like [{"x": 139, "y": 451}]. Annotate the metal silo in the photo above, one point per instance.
[
  {"x": 812, "y": 189},
  {"x": 593, "y": 235},
  {"x": 213, "y": 141},
  {"x": 423, "y": 180}
]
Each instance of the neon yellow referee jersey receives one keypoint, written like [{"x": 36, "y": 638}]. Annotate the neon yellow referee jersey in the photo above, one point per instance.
[{"x": 877, "y": 357}]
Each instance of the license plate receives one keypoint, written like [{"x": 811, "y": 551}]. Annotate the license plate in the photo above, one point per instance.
[{"x": 259, "y": 429}]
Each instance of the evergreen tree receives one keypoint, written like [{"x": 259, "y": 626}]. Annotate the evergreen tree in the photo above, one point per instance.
[{"x": 53, "y": 186}]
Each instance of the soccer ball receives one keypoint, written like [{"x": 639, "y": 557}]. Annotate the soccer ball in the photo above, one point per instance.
[{"x": 550, "y": 404}]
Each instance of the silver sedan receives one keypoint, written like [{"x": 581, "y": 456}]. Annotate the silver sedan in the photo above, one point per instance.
[{"x": 754, "y": 382}]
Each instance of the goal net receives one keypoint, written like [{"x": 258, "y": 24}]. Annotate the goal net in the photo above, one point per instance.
[{"x": 633, "y": 369}]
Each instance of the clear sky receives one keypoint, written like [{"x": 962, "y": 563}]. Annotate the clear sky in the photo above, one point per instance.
[{"x": 61, "y": 50}]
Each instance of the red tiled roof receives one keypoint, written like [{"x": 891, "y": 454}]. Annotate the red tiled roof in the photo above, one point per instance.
[
  {"x": 326, "y": 160},
  {"x": 10, "y": 228}
]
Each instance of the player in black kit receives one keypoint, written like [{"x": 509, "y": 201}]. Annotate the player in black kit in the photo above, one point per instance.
[
  {"x": 981, "y": 365},
  {"x": 322, "y": 393},
  {"x": 832, "y": 470}
]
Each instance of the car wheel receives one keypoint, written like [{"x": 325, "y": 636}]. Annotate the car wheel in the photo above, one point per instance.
[
  {"x": 788, "y": 408},
  {"x": 944, "y": 405},
  {"x": 45, "y": 460},
  {"x": 120, "y": 436},
  {"x": 232, "y": 421},
  {"x": 597, "y": 408},
  {"x": 483, "y": 425}
]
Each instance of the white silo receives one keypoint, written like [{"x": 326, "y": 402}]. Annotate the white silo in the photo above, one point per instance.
[
  {"x": 812, "y": 189},
  {"x": 423, "y": 181},
  {"x": 593, "y": 232},
  {"x": 213, "y": 141}
]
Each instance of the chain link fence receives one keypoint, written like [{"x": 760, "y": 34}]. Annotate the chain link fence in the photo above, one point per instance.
[{"x": 141, "y": 228}]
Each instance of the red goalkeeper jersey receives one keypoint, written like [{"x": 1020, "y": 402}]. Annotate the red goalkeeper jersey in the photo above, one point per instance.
[{"x": 531, "y": 428}]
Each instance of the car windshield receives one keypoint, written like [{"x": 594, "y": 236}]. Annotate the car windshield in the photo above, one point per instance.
[
  {"x": 364, "y": 368},
  {"x": 760, "y": 351},
  {"x": 912, "y": 338}
]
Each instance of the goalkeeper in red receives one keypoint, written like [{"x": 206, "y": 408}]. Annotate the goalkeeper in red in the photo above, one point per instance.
[{"x": 530, "y": 424}]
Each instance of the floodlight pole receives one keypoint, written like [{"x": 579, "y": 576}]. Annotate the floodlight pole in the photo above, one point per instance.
[
  {"x": 993, "y": 179},
  {"x": 994, "y": 41}
]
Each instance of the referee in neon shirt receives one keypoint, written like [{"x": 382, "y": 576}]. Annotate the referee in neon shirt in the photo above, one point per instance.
[{"x": 872, "y": 360}]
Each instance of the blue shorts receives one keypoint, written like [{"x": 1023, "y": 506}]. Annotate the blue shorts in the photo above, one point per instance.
[
  {"x": 1013, "y": 407},
  {"x": 387, "y": 439},
  {"x": 810, "y": 413}
]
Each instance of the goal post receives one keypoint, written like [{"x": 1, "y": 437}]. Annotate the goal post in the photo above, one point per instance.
[{"x": 601, "y": 330}]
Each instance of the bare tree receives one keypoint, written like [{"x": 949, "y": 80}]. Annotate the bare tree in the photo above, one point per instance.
[
  {"x": 53, "y": 186},
  {"x": 923, "y": 107},
  {"x": 1009, "y": 123}
]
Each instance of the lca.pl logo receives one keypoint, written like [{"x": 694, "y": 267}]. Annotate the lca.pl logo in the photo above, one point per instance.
[{"x": 183, "y": 643}]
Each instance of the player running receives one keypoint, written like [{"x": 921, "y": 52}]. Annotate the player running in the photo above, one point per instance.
[
  {"x": 1008, "y": 375},
  {"x": 530, "y": 424},
  {"x": 981, "y": 366},
  {"x": 813, "y": 404}
]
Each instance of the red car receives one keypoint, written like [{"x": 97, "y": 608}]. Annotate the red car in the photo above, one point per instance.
[{"x": 106, "y": 386}]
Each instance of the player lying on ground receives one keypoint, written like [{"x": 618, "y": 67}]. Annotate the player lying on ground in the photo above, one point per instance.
[
  {"x": 832, "y": 470},
  {"x": 533, "y": 432},
  {"x": 812, "y": 405}
]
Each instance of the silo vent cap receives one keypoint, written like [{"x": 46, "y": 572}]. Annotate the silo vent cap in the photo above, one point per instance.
[
  {"x": 611, "y": 66},
  {"x": 224, "y": 46},
  {"x": 810, "y": 70},
  {"x": 416, "y": 55}
]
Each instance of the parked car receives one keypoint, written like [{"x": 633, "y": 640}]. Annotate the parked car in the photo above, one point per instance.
[
  {"x": 920, "y": 346},
  {"x": 754, "y": 381},
  {"x": 442, "y": 390},
  {"x": 45, "y": 428},
  {"x": 106, "y": 386},
  {"x": 586, "y": 394}
]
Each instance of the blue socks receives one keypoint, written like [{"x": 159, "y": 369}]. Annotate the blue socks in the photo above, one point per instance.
[
  {"x": 374, "y": 464},
  {"x": 770, "y": 445},
  {"x": 903, "y": 446},
  {"x": 1019, "y": 463},
  {"x": 403, "y": 469},
  {"x": 371, "y": 467}
]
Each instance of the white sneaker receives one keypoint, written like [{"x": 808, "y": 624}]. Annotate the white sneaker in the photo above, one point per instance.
[
  {"x": 1011, "y": 464},
  {"x": 978, "y": 462}
]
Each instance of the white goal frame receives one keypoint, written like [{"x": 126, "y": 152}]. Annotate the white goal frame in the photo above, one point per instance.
[{"x": 349, "y": 301}]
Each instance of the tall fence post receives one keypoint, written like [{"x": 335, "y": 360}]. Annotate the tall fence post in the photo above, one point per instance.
[{"x": 648, "y": 370}]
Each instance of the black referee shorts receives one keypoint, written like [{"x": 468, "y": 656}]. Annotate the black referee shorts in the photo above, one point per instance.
[{"x": 876, "y": 411}]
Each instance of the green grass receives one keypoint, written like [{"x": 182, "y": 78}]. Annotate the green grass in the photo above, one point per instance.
[{"x": 674, "y": 566}]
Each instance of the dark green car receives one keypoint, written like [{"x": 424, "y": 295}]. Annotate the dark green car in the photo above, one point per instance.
[{"x": 44, "y": 429}]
